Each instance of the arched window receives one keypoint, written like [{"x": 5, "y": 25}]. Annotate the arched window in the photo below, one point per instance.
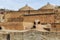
[
  {"x": 39, "y": 22},
  {"x": 33, "y": 27}
]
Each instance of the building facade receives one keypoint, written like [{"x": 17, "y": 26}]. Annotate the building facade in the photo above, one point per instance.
[
  {"x": 14, "y": 23},
  {"x": 28, "y": 18}
]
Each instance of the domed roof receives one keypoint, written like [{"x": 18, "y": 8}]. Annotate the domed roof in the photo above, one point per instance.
[
  {"x": 26, "y": 7},
  {"x": 48, "y": 6}
]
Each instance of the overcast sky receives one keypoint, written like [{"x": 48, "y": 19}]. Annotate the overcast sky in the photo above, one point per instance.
[{"x": 16, "y": 4}]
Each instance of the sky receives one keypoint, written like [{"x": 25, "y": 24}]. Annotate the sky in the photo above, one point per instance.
[{"x": 17, "y": 4}]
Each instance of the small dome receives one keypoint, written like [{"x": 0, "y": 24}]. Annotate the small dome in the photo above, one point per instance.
[
  {"x": 48, "y": 6},
  {"x": 26, "y": 7}
]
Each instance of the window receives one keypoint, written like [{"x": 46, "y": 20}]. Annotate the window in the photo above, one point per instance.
[
  {"x": 38, "y": 22},
  {"x": 0, "y": 28},
  {"x": 33, "y": 27}
]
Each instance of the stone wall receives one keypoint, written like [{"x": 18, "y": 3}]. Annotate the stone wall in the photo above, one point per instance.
[
  {"x": 41, "y": 18},
  {"x": 32, "y": 35}
]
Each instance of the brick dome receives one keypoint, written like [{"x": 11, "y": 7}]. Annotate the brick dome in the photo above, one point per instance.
[{"x": 26, "y": 7}]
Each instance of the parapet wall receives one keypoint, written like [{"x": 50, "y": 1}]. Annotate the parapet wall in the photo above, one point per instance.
[{"x": 31, "y": 35}]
